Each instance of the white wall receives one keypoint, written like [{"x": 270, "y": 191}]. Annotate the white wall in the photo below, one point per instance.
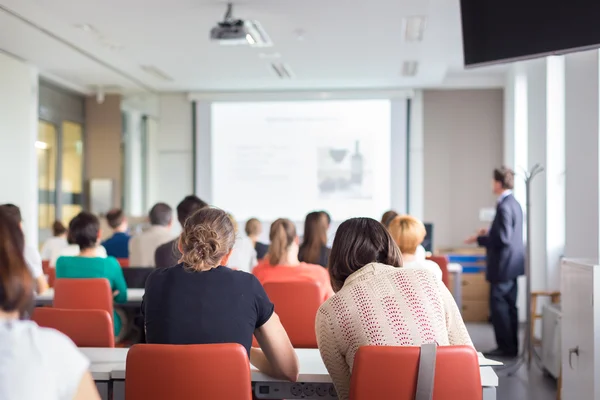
[
  {"x": 18, "y": 133},
  {"x": 462, "y": 133}
]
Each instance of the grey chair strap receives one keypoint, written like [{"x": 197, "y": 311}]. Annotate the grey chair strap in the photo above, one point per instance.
[{"x": 426, "y": 375}]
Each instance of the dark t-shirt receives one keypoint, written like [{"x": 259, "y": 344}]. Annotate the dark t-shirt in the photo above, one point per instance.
[
  {"x": 215, "y": 306},
  {"x": 167, "y": 255},
  {"x": 261, "y": 250}
]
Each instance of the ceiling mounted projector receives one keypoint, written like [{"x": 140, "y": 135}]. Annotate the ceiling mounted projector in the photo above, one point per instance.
[{"x": 235, "y": 32}]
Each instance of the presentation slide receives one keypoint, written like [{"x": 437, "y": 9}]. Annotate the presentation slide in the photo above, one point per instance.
[{"x": 285, "y": 159}]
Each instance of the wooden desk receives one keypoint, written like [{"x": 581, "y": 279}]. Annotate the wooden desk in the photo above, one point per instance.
[{"x": 313, "y": 376}]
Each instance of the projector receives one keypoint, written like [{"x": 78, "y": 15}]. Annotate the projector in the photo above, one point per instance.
[{"x": 235, "y": 32}]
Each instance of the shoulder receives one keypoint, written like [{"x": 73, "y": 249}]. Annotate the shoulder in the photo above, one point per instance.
[
  {"x": 57, "y": 343},
  {"x": 110, "y": 261}
]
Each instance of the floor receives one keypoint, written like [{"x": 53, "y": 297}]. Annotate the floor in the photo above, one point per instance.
[{"x": 523, "y": 385}]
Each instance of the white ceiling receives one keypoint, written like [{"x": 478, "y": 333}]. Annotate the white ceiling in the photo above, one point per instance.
[{"x": 347, "y": 44}]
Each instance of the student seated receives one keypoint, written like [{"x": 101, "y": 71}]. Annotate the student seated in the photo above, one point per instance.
[
  {"x": 200, "y": 301},
  {"x": 408, "y": 233},
  {"x": 254, "y": 230},
  {"x": 243, "y": 255},
  {"x": 143, "y": 246},
  {"x": 167, "y": 255},
  {"x": 33, "y": 259},
  {"x": 118, "y": 244},
  {"x": 407, "y": 307},
  {"x": 35, "y": 363},
  {"x": 56, "y": 243},
  {"x": 84, "y": 230},
  {"x": 387, "y": 219},
  {"x": 281, "y": 262},
  {"x": 314, "y": 248}
]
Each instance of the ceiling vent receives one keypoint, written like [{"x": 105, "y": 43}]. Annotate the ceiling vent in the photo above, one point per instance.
[
  {"x": 409, "y": 68},
  {"x": 414, "y": 28},
  {"x": 282, "y": 70}
]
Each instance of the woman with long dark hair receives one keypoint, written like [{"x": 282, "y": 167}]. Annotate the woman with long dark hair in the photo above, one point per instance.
[{"x": 313, "y": 249}]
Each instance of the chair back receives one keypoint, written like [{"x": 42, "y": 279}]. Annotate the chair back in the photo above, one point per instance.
[
  {"x": 123, "y": 262},
  {"x": 135, "y": 277},
  {"x": 186, "y": 372},
  {"x": 442, "y": 261},
  {"x": 390, "y": 372},
  {"x": 86, "y": 328},
  {"x": 297, "y": 303},
  {"x": 46, "y": 266},
  {"x": 83, "y": 294}
]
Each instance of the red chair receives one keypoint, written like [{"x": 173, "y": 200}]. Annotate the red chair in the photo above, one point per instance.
[
  {"x": 442, "y": 262},
  {"x": 297, "y": 303},
  {"x": 186, "y": 372},
  {"x": 86, "y": 328},
  {"x": 46, "y": 266},
  {"x": 123, "y": 262},
  {"x": 83, "y": 294},
  {"x": 390, "y": 372}
]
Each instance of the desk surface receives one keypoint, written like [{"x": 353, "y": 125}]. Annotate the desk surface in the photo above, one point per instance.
[
  {"x": 110, "y": 363},
  {"x": 133, "y": 295}
]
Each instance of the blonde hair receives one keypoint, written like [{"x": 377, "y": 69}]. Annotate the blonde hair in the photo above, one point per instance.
[
  {"x": 233, "y": 222},
  {"x": 408, "y": 233},
  {"x": 208, "y": 236},
  {"x": 282, "y": 235},
  {"x": 253, "y": 227}
]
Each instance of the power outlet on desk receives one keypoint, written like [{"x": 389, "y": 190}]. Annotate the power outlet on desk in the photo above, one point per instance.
[{"x": 290, "y": 390}]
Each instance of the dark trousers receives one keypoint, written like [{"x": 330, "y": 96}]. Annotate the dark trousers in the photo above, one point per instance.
[{"x": 505, "y": 317}]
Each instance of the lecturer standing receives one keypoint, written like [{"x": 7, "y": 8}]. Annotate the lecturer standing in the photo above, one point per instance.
[{"x": 505, "y": 262}]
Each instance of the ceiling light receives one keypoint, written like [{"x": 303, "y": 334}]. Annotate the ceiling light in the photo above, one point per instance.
[
  {"x": 409, "y": 68},
  {"x": 250, "y": 39},
  {"x": 41, "y": 145},
  {"x": 414, "y": 28},
  {"x": 282, "y": 70},
  {"x": 157, "y": 73},
  {"x": 100, "y": 95}
]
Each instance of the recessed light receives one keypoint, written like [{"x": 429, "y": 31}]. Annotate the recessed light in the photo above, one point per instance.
[
  {"x": 282, "y": 70},
  {"x": 414, "y": 28},
  {"x": 409, "y": 68}
]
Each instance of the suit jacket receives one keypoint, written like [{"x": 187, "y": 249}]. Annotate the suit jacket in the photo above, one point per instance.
[
  {"x": 504, "y": 242},
  {"x": 167, "y": 255}
]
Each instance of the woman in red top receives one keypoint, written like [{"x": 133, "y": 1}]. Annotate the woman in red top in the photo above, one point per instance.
[{"x": 281, "y": 262}]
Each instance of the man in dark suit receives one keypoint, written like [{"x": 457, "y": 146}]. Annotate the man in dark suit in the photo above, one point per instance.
[
  {"x": 505, "y": 262},
  {"x": 168, "y": 254}
]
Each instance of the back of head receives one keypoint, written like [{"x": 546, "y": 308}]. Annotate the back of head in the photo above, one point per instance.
[
  {"x": 188, "y": 206},
  {"x": 387, "y": 217},
  {"x": 315, "y": 237},
  {"x": 208, "y": 236},
  {"x": 12, "y": 211},
  {"x": 506, "y": 177},
  {"x": 358, "y": 242},
  {"x": 233, "y": 222},
  {"x": 326, "y": 217},
  {"x": 16, "y": 283},
  {"x": 161, "y": 214},
  {"x": 58, "y": 228},
  {"x": 115, "y": 218},
  {"x": 253, "y": 227},
  {"x": 282, "y": 235},
  {"x": 84, "y": 230},
  {"x": 408, "y": 233}
]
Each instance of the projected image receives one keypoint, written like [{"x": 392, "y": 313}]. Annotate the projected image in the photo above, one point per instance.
[{"x": 343, "y": 172}]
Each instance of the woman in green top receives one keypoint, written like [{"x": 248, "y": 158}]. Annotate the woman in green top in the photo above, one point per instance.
[{"x": 84, "y": 230}]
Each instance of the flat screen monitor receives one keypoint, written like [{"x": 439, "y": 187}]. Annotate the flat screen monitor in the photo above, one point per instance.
[
  {"x": 500, "y": 31},
  {"x": 428, "y": 241}
]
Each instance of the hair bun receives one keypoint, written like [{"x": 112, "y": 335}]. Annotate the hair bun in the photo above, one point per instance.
[{"x": 203, "y": 244}]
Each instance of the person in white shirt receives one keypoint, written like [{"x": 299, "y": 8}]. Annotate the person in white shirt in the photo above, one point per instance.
[
  {"x": 73, "y": 250},
  {"x": 143, "y": 246},
  {"x": 35, "y": 363},
  {"x": 408, "y": 233},
  {"x": 56, "y": 243},
  {"x": 243, "y": 256},
  {"x": 32, "y": 256}
]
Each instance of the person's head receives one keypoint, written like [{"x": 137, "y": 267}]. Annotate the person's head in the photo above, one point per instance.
[
  {"x": 233, "y": 222},
  {"x": 116, "y": 220},
  {"x": 253, "y": 228},
  {"x": 188, "y": 206},
  {"x": 207, "y": 239},
  {"x": 13, "y": 212},
  {"x": 408, "y": 233},
  {"x": 84, "y": 230},
  {"x": 326, "y": 218},
  {"x": 161, "y": 214},
  {"x": 58, "y": 229},
  {"x": 16, "y": 282},
  {"x": 283, "y": 238},
  {"x": 358, "y": 242},
  {"x": 387, "y": 217},
  {"x": 504, "y": 179},
  {"x": 315, "y": 237}
]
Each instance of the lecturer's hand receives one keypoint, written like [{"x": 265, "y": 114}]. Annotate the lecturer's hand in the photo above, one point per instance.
[
  {"x": 471, "y": 240},
  {"x": 482, "y": 232}
]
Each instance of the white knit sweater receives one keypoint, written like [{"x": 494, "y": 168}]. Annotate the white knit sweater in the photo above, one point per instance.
[{"x": 385, "y": 306}]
